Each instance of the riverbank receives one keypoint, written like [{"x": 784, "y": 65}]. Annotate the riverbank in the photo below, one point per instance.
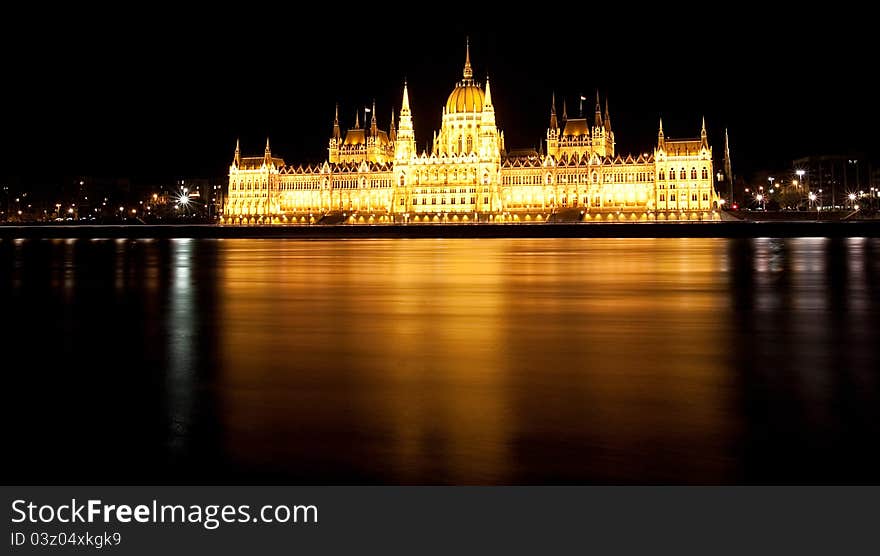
[{"x": 653, "y": 229}]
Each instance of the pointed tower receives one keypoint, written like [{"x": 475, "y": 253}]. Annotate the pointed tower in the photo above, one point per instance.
[
  {"x": 267, "y": 155},
  {"x": 661, "y": 139},
  {"x": 609, "y": 135},
  {"x": 728, "y": 169},
  {"x": 598, "y": 123},
  {"x": 374, "y": 129},
  {"x": 553, "y": 130},
  {"x": 236, "y": 159},
  {"x": 335, "y": 140},
  {"x": 564, "y": 112},
  {"x": 357, "y": 121},
  {"x": 607, "y": 117},
  {"x": 405, "y": 143},
  {"x": 392, "y": 131},
  {"x": 489, "y": 145},
  {"x": 704, "y": 142}
]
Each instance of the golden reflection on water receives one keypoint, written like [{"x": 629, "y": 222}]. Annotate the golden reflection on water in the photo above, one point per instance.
[{"x": 487, "y": 361}]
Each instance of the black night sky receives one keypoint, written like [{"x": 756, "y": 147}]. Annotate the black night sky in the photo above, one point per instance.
[{"x": 167, "y": 96}]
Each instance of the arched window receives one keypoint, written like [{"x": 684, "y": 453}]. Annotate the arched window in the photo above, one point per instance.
[
  {"x": 402, "y": 180},
  {"x": 705, "y": 173},
  {"x": 662, "y": 175},
  {"x": 459, "y": 144},
  {"x": 682, "y": 175},
  {"x": 693, "y": 173},
  {"x": 470, "y": 144}
]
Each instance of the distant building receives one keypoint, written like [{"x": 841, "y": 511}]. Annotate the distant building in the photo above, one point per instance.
[
  {"x": 835, "y": 175},
  {"x": 373, "y": 175}
]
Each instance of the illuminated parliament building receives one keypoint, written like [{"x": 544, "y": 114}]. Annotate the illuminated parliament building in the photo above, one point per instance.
[{"x": 376, "y": 176}]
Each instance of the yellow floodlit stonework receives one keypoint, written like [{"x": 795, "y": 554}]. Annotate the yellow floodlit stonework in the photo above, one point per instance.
[{"x": 373, "y": 176}]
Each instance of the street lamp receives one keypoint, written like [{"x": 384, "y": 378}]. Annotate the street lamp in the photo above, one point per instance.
[{"x": 852, "y": 198}]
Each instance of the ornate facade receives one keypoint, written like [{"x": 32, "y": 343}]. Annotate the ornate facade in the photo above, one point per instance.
[{"x": 377, "y": 176}]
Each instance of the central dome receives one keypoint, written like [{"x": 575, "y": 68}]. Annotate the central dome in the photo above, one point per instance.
[{"x": 466, "y": 95}]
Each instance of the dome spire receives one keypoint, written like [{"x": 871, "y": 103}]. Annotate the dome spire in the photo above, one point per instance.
[{"x": 468, "y": 72}]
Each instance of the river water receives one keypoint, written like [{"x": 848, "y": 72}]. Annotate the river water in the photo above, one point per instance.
[{"x": 461, "y": 361}]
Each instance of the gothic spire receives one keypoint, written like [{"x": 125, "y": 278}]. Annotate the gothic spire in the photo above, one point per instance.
[
  {"x": 727, "y": 162},
  {"x": 553, "y": 123},
  {"x": 703, "y": 139},
  {"x": 607, "y": 116},
  {"x": 357, "y": 121},
  {"x": 661, "y": 139},
  {"x": 373, "y": 125},
  {"x": 487, "y": 101},
  {"x": 336, "y": 132},
  {"x": 404, "y": 107},
  {"x": 237, "y": 158},
  {"x": 598, "y": 110},
  {"x": 392, "y": 131}
]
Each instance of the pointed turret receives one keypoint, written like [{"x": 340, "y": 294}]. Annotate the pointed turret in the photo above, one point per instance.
[
  {"x": 661, "y": 139},
  {"x": 392, "y": 131},
  {"x": 236, "y": 159},
  {"x": 404, "y": 139},
  {"x": 374, "y": 128},
  {"x": 607, "y": 117},
  {"x": 404, "y": 107},
  {"x": 598, "y": 110},
  {"x": 357, "y": 121},
  {"x": 337, "y": 133},
  {"x": 704, "y": 142},
  {"x": 267, "y": 156},
  {"x": 728, "y": 169},
  {"x": 564, "y": 112},
  {"x": 488, "y": 139},
  {"x": 468, "y": 72},
  {"x": 553, "y": 123},
  {"x": 487, "y": 100}
]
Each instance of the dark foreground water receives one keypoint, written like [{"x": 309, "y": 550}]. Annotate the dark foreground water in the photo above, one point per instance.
[{"x": 441, "y": 361}]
